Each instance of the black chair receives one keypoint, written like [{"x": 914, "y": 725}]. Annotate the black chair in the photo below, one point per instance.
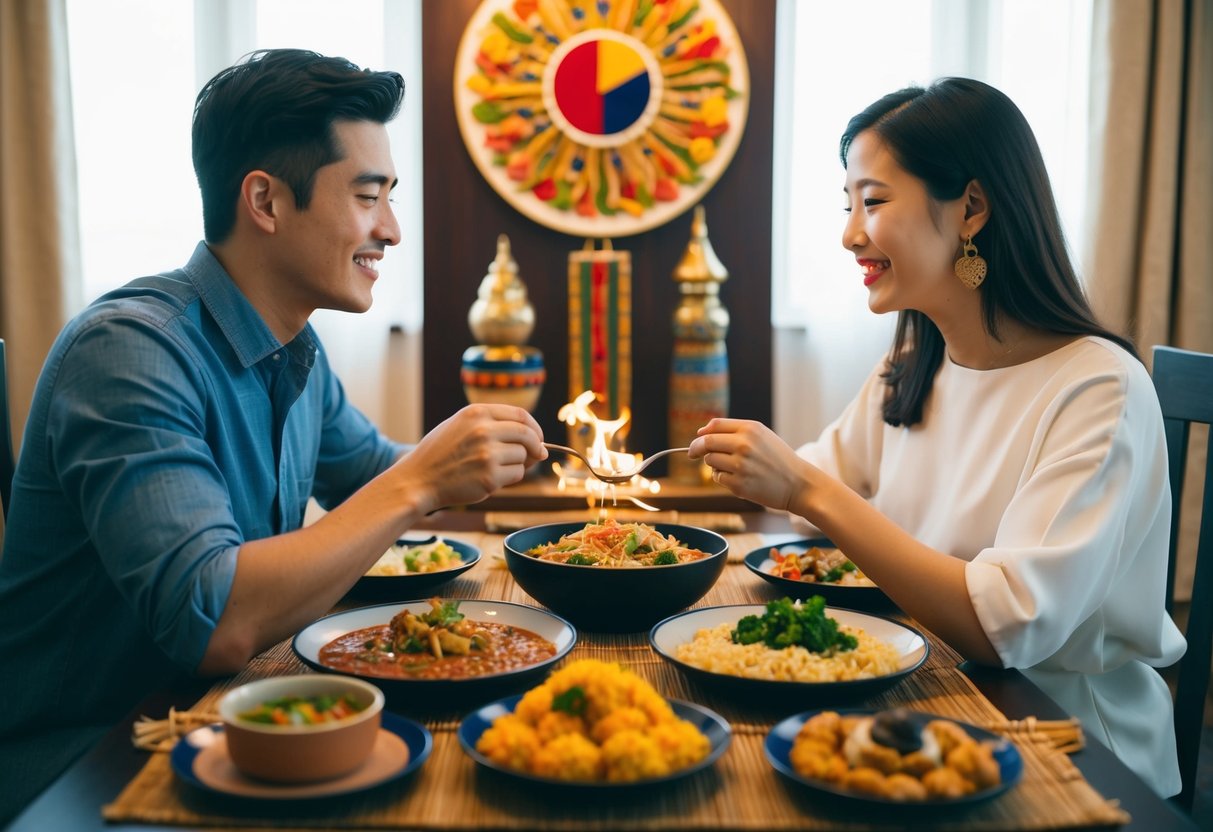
[
  {"x": 7, "y": 461},
  {"x": 1184, "y": 381}
]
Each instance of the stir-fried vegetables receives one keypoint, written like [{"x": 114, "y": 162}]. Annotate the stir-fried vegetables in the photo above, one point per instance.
[{"x": 818, "y": 565}]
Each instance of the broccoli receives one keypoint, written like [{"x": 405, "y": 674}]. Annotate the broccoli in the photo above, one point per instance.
[
  {"x": 665, "y": 558},
  {"x": 785, "y": 624},
  {"x": 579, "y": 559},
  {"x": 835, "y": 574}
]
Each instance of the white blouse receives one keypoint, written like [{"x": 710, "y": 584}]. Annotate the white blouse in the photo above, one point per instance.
[{"x": 1050, "y": 479}]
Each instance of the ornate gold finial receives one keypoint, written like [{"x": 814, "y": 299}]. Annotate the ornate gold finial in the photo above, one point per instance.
[
  {"x": 699, "y": 262},
  {"x": 502, "y": 314},
  {"x": 502, "y": 368},
  {"x": 699, "y": 380}
]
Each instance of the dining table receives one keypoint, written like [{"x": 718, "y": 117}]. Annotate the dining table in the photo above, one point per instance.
[{"x": 116, "y": 786}]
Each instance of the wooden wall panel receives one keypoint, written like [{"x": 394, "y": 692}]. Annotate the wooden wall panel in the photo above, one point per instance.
[{"x": 464, "y": 215}]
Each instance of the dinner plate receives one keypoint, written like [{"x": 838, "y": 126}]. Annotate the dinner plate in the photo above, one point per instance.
[
  {"x": 413, "y": 695},
  {"x": 759, "y": 562},
  {"x": 415, "y": 584},
  {"x": 713, "y": 726},
  {"x": 200, "y": 758},
  {"x": 911, "y": 646},
  {"x": 778, "y": 746}
]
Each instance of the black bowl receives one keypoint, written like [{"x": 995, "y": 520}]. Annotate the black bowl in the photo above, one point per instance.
[
  {"x": 837, "y": 595},
  {"x": 609, "y": 600},
  {"x": 414, "y": 585}
]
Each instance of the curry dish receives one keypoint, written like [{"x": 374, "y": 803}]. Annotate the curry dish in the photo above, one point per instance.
[{"x": 438, "y": 644}]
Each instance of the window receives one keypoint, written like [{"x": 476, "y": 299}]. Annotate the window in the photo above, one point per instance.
[
  {"x": 140, "y": 63},
  {"x": 833, "y": 60},
  {"x": 136, "y": 68}
]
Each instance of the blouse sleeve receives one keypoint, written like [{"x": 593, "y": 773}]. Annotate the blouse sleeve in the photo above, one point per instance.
[{"x": 1076, "y": 572}]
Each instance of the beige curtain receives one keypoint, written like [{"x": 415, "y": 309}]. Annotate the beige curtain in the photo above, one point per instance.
[
  {"x": 39, "y": 241},
  {"x": 1149, "y": 262}
]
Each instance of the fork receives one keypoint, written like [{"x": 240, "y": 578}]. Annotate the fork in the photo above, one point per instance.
[{"x": 614, "y": 478}]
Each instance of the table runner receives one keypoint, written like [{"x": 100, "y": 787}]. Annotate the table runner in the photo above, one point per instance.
[{"x": 740, "y": 792}]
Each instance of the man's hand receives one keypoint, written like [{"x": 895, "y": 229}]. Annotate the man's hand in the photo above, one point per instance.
[{"x": 473, "y": 453}]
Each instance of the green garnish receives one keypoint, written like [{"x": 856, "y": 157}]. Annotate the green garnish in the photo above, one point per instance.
[
  {"x": 572, "y": 701},
  {"x": 579, "y": 559},
  {"x": 665, "y": 558},
  {"x": 837, "y": 572},
  {"x": 443, "y": 616}
]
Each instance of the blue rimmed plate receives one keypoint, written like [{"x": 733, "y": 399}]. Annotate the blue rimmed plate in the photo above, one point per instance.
[
  {"x": 760, "y": 562},
  {"x": 200, "y": 759},
  {"x": 911, "y": 647},
  {"x": 778, "y": 746},
  {"x": 713, "y": 726}
]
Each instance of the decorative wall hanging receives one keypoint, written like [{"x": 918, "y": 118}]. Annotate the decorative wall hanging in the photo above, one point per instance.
[
  {"x": 601, "y": 118},
  {"x": 600, "y": 336}
]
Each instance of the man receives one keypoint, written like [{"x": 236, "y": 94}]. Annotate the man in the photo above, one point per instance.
[{"x": 181, "y": 423}]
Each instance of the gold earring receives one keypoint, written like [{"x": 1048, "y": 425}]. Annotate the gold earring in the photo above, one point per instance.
[{"x": 970, "y": 267}]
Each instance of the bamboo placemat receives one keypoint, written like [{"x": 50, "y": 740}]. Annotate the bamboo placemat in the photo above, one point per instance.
[{"x": 740, "y": 792}]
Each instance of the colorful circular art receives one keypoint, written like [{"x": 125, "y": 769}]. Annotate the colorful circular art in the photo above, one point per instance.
[{"x": 601, "y": 118}]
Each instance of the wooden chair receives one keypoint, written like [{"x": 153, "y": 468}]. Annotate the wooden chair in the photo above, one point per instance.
[
  {"x": 1184, "y": 381},
  {"x": 7, "y": 461}
]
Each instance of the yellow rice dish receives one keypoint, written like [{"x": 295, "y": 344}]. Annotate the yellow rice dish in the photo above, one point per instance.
[
  {"x": 593, "y": 721},
  {"x": 713, "y": 650}
]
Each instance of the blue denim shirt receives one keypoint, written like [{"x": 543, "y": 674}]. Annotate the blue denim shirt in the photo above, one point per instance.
[{"x": 168, "y": 427}]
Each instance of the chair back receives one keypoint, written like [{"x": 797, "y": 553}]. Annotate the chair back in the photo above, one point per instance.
[
  {"x": 7, "y": 461},
  {"x": 1184, "y": 381}
]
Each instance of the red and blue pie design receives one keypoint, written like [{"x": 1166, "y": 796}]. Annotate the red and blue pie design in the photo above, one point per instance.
[{"x": 601, "y": 117}]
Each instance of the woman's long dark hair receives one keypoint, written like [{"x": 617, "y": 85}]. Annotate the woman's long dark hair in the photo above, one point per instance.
[{"x": 947, "y": 135}]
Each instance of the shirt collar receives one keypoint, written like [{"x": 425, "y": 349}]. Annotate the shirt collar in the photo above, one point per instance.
[{"x": 240, "y": 323}]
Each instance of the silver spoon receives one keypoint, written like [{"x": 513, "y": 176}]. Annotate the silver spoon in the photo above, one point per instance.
[{"x": 614, "y": 478}]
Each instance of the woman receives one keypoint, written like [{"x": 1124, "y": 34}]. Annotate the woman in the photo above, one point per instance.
[{"x": 1002, "y": 473}]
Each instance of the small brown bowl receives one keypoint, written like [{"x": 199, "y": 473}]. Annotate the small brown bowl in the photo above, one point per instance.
[{"x": 301, "y": 753}]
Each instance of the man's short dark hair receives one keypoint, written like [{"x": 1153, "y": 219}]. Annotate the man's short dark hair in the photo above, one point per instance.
[{"x": 275, "y": 112}]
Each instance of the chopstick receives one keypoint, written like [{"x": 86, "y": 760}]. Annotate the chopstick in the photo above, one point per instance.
[
  {"x": 161, "y": 734},
  {"x": 1064, "y": 735}
]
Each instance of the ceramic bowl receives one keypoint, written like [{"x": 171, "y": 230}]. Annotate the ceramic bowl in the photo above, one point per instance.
[{"x": 301, "y": 753}]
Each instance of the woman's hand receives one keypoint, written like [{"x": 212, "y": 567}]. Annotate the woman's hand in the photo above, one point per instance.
[{"x": 751, "y": 461}]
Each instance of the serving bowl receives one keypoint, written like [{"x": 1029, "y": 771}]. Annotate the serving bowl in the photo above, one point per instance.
[
  {"x": 760, "y": 562},
  {"x": 615, "y": 600},
  {"x": 415, "y": 584},
  {"x": 300, "y": 753},
  {"x": 778, "y": 749},
  {"x": 710, "y": 724},
  {"x": 431, "y": 695},
  {"x": 909, "y": 644}
]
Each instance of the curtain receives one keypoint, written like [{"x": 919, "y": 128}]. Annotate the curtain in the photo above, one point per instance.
[
  {"x": 39, "y": 243},
  {"x": 1149, "y": 258}
]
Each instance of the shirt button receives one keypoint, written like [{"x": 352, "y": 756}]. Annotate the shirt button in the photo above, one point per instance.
[{"x": 277, "y": 357}]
